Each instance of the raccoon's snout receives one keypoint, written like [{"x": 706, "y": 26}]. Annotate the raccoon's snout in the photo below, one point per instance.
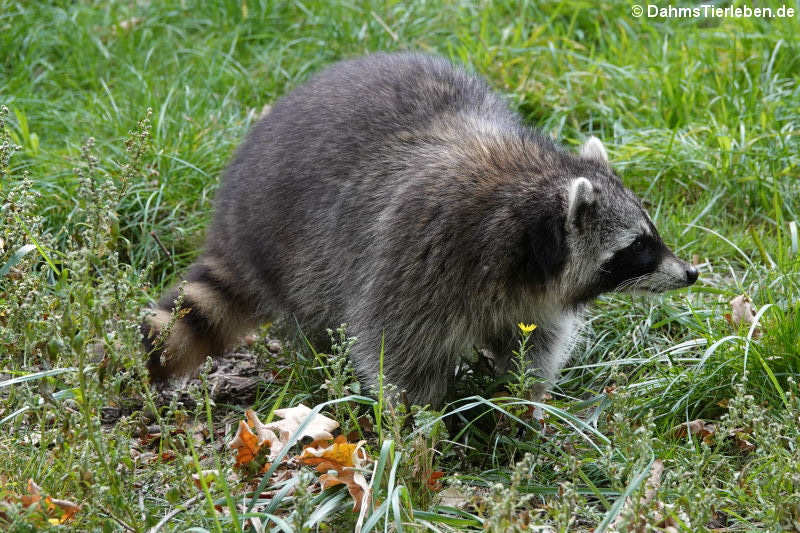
[
  {"x": 691, "y": 274},
  {"x": 675, "y": 274}
]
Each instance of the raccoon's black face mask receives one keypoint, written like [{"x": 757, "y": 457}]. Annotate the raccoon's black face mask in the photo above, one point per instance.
[
  {"x": 646, "y": 265},
  {"x": 617, "y": 247}
]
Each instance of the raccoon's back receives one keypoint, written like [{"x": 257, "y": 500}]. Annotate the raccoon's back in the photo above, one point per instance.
[{"x": 297, "y": 209}]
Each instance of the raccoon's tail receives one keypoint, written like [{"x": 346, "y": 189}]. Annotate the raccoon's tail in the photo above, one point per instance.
[{"x": 211, "y": 318}]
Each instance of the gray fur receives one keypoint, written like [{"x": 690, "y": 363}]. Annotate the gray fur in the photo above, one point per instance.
[{"x": 399, "y": 194}]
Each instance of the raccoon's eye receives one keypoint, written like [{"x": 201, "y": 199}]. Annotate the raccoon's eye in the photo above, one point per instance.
[{"x": 637, "y": 245}]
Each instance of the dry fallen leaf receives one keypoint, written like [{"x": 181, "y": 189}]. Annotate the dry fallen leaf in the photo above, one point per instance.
[
  {"x": 742, "y": 313},
  {"x": 249, "y": 445},
  {"x": 340, "y": 452},
  {"x": 319, "y": 428},
  {"x": 57, "y": 511},
  {"x": 650, "y": 490},
  {"x": 165, "y": 457},
  {"x": 266, "y": 435},
  {"x": 34, "y": 494},
  {"x": 207, "y": 476},
  {"x": 741, "y": 439},
  {"x": 454, "y": 497},
  {"x": 701, "y": 428},
  {"x": 355, "y": 481},
  {"x": 340, "y": 463},
  {"x": 246, "y": 445},
  {"x": 433, "y": 480},
  {"x": 65, "y": 507}
]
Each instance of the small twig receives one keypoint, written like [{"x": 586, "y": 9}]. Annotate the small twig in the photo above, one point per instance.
[
  {"x": 125, "y": 526},
  {"x": 154, "y": 235},
  {"x": 170, "y": 515},
  {"x": 386, "y": 27}
]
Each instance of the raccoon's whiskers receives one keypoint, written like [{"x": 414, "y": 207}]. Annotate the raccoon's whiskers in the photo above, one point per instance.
[{"x": 632, "y": 284}]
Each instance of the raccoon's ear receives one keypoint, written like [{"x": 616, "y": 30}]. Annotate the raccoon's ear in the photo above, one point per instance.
[
  {"x": 581, "y": 198},
  {"x": 593, "y": 149}
]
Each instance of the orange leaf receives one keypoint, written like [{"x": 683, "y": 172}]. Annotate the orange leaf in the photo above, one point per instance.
[
  {"x": 51, "y": 505},
  {"x": 33, "y": 496},
  {"x": 341, "y": 453},
  {"x": 433, "y": 480},
  {"x": 245, "y": 443},
  {"x": 340, "y": 463},
  {"x": 67, "y": 508},
  {"x": 167, "y": 456}
]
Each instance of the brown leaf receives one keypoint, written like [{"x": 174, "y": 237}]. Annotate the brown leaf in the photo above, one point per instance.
[
  {"x": 249, "y": 445},
  {"x": 356, "y": 483},
  {"x": 433, "y": 480},
  {"x": 650, "y": 489},
  {"x": 58, "y": 511},
  {"x": 34, "y": 494},
  {"x": 366, "y": 424},
  {"x": 740, "y": 438},
  {"x": 699, "y": 427},
  {"x": 340, "y": 453},
  {"x": 742, "y": 313},
  {"x": 207, "y": 476},
  {"x": 65, "y": 507}
]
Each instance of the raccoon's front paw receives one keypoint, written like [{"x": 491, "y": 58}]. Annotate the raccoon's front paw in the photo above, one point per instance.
[{"x": 154, "y": 349}]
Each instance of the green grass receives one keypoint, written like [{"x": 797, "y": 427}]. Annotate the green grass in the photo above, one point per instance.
[{"x": 701, "y": 118}]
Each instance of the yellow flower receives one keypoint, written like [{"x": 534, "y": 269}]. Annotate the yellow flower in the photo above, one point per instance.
[{"x": 526, "y": 328}]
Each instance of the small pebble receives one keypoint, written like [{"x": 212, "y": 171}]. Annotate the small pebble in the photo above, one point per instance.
[
  {"x": 274, "y": 346},
  {"x": 109, "y": 414}
]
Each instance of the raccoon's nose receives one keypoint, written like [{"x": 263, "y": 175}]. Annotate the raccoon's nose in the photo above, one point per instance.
[{"x": 691, "y": 274}]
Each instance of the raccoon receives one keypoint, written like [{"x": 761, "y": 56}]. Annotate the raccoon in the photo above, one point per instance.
[{"x": 399, "y": 194}]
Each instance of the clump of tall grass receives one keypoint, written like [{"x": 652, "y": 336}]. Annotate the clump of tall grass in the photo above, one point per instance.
[{"x": 69, "y": 317}]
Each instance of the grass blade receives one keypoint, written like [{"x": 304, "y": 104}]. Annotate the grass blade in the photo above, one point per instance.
[
  {"x": 36, "y": 375},
  {"x": 612, "y": 513},
  {"x": 16, "y": 258}
]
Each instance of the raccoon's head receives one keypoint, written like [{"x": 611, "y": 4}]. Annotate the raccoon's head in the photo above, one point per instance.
[{"x": 609, "y": 242}]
